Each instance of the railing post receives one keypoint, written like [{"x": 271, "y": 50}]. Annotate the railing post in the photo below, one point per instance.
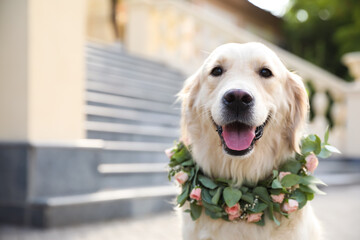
[{"x": 352, "y": 60}]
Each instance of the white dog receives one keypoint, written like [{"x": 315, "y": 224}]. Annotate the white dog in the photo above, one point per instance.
[{"x": 261, "y": 109}]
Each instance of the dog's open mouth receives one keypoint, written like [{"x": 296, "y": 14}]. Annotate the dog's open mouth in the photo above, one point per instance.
[{"x": 238, "y": 138}]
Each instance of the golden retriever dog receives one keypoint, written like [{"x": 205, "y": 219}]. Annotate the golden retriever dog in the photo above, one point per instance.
[{"x": 244, "y": 114}]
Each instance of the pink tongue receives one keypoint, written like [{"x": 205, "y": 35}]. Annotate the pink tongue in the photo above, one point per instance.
[{"x": 238, "y": 136}]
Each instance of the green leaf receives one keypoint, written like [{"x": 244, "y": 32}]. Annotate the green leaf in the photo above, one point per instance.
[
  {"x": 326, "y": 136},
  {"x": 276, "y": 184},
  {"x": 332, "y": 149},
  {"x": 182, "y": 155},
  {"x": 244, "y": 189},
  {"x": 259, "y": 207},
  {"x": 324, "y": 153},
  {"x": 275, "y": 191},
  {"x": 316, "y": 190},
  {"x": 207, "y": 182},
  {"x": 211, "y": 207},
  {"x": 213, "y": 215},
  {"x": 231, "y": 196},
  {"x": 262, "y": 193},
  {"x": 184, "y": 195},
  {"x": 309, "y": 196},
  {"x": 271, "y": 214},
  {"x": 195, "y": 211},
  {"x": 275, "y": 173},
  {"x": 311, "y": 188},
  {"x": 306, "y": 180},
  {"x": 223, "y": 180},
  {"x": 216, "y": 197},
  {"x": 187, "y": 163},
  {"x": 205, "y": 195},
  {"x": 311, "y": 143},
  {"x": 248, "y": 197},
  {"x": 292, "y": 166},
  {"x": 290, "y": 180},
  {"x": 261, "y": 222},
  {"x": 300, "y": 197}
]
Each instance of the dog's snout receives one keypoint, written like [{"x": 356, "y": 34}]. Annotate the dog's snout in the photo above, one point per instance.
[{"x": 238, "y": 99}]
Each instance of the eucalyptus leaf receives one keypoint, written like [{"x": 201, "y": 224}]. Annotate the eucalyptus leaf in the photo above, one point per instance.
[
  {"x": 311, "y": 188},
  {"x": 213, "y": 215},
  {"x": 183, "y": 196},
  {"x": 205, "y": 196},
  {"x": 195, "y": 211},
  {"x": 300, "y": 197},
  {"x": 324, "y": 153},
  {"x": 262, "y": 193},
  {"x": 187, "y": 163},
  {"x": 223, "y": 180},
  {"x": 207, "y": 182},
  {"x": 212, "y": 207},
  {"x": 312, "y": 143},
  {"x": 306, "y": 180},
  {"x": 231, "y": 196},
  {"x": 292, "y": 166},
  {"x": 261, "y": 222},
  {"x": 275, "y": 173},
  {"x": 248, "y": 197},
  {"x": 259, "y": 207},
  {"x": 290, "y": 180},
  {"x": 271, "y": 214},
  {"x": 276, "y": 184},
  {"x": 216, "y": 197},
  {"x": 332, "y": 149},
  {"x": 326, "y": 136}
]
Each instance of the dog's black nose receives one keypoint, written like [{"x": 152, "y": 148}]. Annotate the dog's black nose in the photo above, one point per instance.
[{"x": 238, "y": 100}]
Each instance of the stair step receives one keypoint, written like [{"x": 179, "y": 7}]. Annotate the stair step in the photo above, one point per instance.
[
  {"x": 126, "y": 67},
  {"x": 99, "y": 206},
  {"x": 124, "y": 81},
  {"x": 132, "y": 129},
  {"x": 134, "y": 74},
  {"x": 131, "y": 103},
  {"x": 117, "y": 168},
  {"x": 121, "y": 55},
  {"x": 106, "y": 114},
  {"x": 129, "y": 91}
]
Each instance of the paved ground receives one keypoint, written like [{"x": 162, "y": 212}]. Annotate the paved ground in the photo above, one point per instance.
[{"x": 339, "y": 211}]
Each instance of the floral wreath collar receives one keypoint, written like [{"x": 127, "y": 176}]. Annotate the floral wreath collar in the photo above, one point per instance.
[{"x": 284, "y": 191}]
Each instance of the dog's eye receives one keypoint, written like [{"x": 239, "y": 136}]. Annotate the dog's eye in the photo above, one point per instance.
[
  {"x": 217, "y": 71},
  {"x": 265, "y": 72}
]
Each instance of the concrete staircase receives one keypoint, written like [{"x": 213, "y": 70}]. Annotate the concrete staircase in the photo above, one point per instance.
[{"x": 131, "y": 106}]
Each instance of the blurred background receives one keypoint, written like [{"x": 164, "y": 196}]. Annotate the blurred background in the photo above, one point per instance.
[{"x": 87, "y": 106}]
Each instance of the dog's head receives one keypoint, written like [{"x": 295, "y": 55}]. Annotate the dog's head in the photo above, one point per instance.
[{"x": 246, "y": 94}]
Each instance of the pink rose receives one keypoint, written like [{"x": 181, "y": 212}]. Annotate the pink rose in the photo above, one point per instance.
[
  {"x": 254, "y": 217},
  {"x": 278, "y": 198},
  {"x": 181, "y": 177},
  {"x": 169, "y": 152},
  {"x": 291, "y": 206},
  {"x": 196, "y": 194},
  {"x": 234, "y": 211},
  {"x": 234, "y": 217},
  {"x": 283, "y": 174},
  {"x": 311, "y": 162}
]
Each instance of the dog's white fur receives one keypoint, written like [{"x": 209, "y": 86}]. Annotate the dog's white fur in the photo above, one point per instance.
[{"x": 282, "y": 96}]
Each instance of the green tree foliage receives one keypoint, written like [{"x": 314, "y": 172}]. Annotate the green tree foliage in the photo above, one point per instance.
[{"x": 322, "y": 31}]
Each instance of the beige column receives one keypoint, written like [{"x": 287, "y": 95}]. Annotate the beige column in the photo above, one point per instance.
[
  {"x": 352, "y": 60},
  {"x": 42, "y": 69}
]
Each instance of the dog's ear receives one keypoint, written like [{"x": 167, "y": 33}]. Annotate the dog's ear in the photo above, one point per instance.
[
  {"x": 188, "y": 96},
  {"x": 190, "y": 90},
  {"x": 298, "y": 109}
]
